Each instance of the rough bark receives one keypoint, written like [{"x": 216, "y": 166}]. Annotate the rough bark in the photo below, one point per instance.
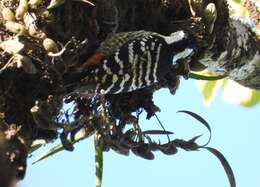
[
  {"x": 235, "y": 50},
  {"x": 236, "y": 54}
]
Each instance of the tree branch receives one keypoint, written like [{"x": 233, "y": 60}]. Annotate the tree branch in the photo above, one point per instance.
[{"x": 235, "y": 53}]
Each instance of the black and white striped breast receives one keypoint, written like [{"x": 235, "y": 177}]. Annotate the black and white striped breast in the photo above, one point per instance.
[{"x": 133, "y": 66}]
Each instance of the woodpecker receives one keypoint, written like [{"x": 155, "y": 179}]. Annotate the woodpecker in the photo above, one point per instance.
[{"x": 129, "y": 61}]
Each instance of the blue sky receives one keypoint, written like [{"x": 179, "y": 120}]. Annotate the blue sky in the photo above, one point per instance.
[{"x": 235, "y": 133}]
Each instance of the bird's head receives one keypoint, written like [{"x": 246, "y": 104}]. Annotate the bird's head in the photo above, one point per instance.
[{"x": 181, "y": 44}]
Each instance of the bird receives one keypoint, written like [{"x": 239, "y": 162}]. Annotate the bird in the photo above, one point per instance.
[{"x": 130, "y": 61}]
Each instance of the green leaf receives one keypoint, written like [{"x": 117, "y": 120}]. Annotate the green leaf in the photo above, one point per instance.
[
  {"x": 206, "y": 78},
  {"x": 209, "y": 90},
  {"x": 234, "y": 93},
  {"x": 49, "y": 153},
  {"x": 225, "y": 165},
  {"x": 192, "y": 146},
  {"x": 201, "y": 120},
  {"x": 253, "y": 100},
  {"x": 237, "y": 1},
  {"x": 237, "y": 9},
  {"x": 59, "y": 148},
  {"x": 99, "y": 163},
  {"x": 157, "y": 132}
]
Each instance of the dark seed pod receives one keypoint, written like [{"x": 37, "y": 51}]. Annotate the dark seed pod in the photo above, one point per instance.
[
  {"x": 168, "y": 149},
  {"x": 146, "y": 155},
  {"x": 144, "y": 151},
  {"x": 131, "y": 119},
  {"x": 154, "y": 146},
  {"x": 127, "y": 141},
  {"x": 149, "y": 155},
  {"x": 120, "y": 149}
]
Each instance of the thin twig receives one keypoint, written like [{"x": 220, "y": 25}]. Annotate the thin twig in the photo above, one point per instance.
[{"x": 162, "y": 127}]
